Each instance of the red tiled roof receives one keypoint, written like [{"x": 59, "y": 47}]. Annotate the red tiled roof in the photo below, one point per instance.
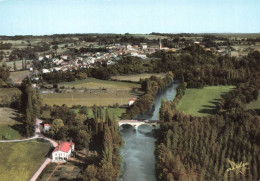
[
  {"x": 64, "y": 147},
  {"x": 46, "y": 124},
  {"x": 131, "y": 100}
]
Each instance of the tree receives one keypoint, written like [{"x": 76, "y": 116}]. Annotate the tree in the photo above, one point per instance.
[
  {"x": 57, "y": 124},
  {"x": 91, "y": 173},
  {"x": 82, "y": 139},
  {"x": 15, "y": 68}
]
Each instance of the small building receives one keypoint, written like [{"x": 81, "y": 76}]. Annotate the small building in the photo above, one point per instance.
[
  {"x": 143, "y": 46},
  {"x": 40, "y": 58},
  {"x": 46, "y": 127},
  {"x": 44, "y": 71},
  {"x": 131, "y": 102},
  {"x": 62, "y": 152},
  {"x": 129, "y": 47}
]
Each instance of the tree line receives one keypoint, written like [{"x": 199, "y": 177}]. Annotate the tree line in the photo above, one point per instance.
[{"x": 150, "y": 86}]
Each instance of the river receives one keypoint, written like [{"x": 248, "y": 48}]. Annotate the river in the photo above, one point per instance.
[{"x": 138, "y": 151}]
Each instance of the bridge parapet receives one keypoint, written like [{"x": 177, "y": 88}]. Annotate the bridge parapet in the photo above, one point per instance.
[{"x": 137, "y": 123}]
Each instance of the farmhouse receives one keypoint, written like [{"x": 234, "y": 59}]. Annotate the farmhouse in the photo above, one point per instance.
[
  {"x": 62, "y": 152},
  {"x": 46, "y": 127},
  {"x": 131, "y": 102}
]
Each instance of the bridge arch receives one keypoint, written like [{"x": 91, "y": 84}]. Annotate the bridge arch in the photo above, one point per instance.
[
  {"x": 124, "y": 124},
  {"x": 137, "y": 123}
]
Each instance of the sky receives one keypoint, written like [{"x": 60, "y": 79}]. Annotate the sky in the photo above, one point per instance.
[{"x": 44, "y": 17}]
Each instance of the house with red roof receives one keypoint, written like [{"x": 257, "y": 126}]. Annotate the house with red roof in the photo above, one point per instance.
[
  {"x": 46, "y": 127},
  {"x": 131, "y": 102},
  {"x": 62, "y": 152}
]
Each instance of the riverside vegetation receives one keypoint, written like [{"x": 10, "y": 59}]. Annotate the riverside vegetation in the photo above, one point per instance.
[{"x": 224, "y": 146}]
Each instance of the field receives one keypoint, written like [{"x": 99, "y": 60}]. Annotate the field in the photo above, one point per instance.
[
  {"x": 19, "y": 161},
  {"x": 255, "y": 105},
  {"x": 99, "y": 99},
  {"x": 99, "y": 92},
  {"x": 56, "y": 172},
  {"x": 92, "y": 83},
  {"x": 18, "y": 76},
  {"x": 136, "y": 77},
  {"x": 202, "y": 102},
  {"x": 9, "y": 91},
  {"x": 10, "y": 127}
]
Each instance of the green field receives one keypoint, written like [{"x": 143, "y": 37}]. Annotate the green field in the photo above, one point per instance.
[
  {"x": 9, "y": 91},
  {"x": 202, "y": 102},
  {"x": 255, "y": 105},
  {"x": 10, "y": 128},
  {"x": 19, "y": 161},
  {"x": 112, "y": 112},
  {"x": 85, "y": 99},
  {"x": 92, "y": 83},
  {"x": 99, "y": 92}
]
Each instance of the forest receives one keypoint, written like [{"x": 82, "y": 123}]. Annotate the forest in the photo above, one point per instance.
[{"x": 224, "y": 146}]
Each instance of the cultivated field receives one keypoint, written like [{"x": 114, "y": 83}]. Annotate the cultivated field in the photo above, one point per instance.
[
  {"x": 92, "y": 83},
  {"x": 99, "y": 92},
  {"x": 136, "y": 77},
  {"x": 66, "y": 171},
  {"x": 19, "y": 161},
  {"x": 88, "y": 99},
  {"x": 202, "y": 102},
  {"x": 10, "y": 128}
]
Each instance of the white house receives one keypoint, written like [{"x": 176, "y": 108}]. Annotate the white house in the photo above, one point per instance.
[
  {"x": 62, "y": 152},
  {"x": 46, "y": 127},
  {"x": 44, "y": 71},
  {"x": 40, "y": 58},
  {"x": 129, "y": 47},
  {"x": 143, "y": 46},
  {"x": 131, "y": 102}
]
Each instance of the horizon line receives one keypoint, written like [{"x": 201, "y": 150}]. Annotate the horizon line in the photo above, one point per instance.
[{"x": 134, "y": 33}]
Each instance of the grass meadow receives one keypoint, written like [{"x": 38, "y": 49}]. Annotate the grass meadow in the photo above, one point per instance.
[
  {"x": 19, "y": 161},
  {"x": 99, "y": 92},
  {"x": 255, "y": 105},
  {"x": 10, "y": 126},
  {"x": 202, "y": 102}
]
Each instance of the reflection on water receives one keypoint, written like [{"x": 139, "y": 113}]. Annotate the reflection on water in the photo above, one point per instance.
[{"x": 138, "y": 151}]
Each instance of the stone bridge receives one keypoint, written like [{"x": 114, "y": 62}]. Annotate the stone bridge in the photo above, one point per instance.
[{"x": 137, "y": 123}]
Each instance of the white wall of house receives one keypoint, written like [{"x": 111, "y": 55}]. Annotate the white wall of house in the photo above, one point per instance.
[{"x": 60, "y": 156}]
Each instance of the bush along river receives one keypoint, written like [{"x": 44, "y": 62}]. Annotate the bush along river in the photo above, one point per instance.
[{"x": 138, "y": 159}]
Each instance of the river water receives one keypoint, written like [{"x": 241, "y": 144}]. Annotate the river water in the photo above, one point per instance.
[{"x": 138, "y": 151}]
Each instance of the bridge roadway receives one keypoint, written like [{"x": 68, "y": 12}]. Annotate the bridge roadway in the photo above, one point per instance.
[{"x": 137, "y": 123}]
